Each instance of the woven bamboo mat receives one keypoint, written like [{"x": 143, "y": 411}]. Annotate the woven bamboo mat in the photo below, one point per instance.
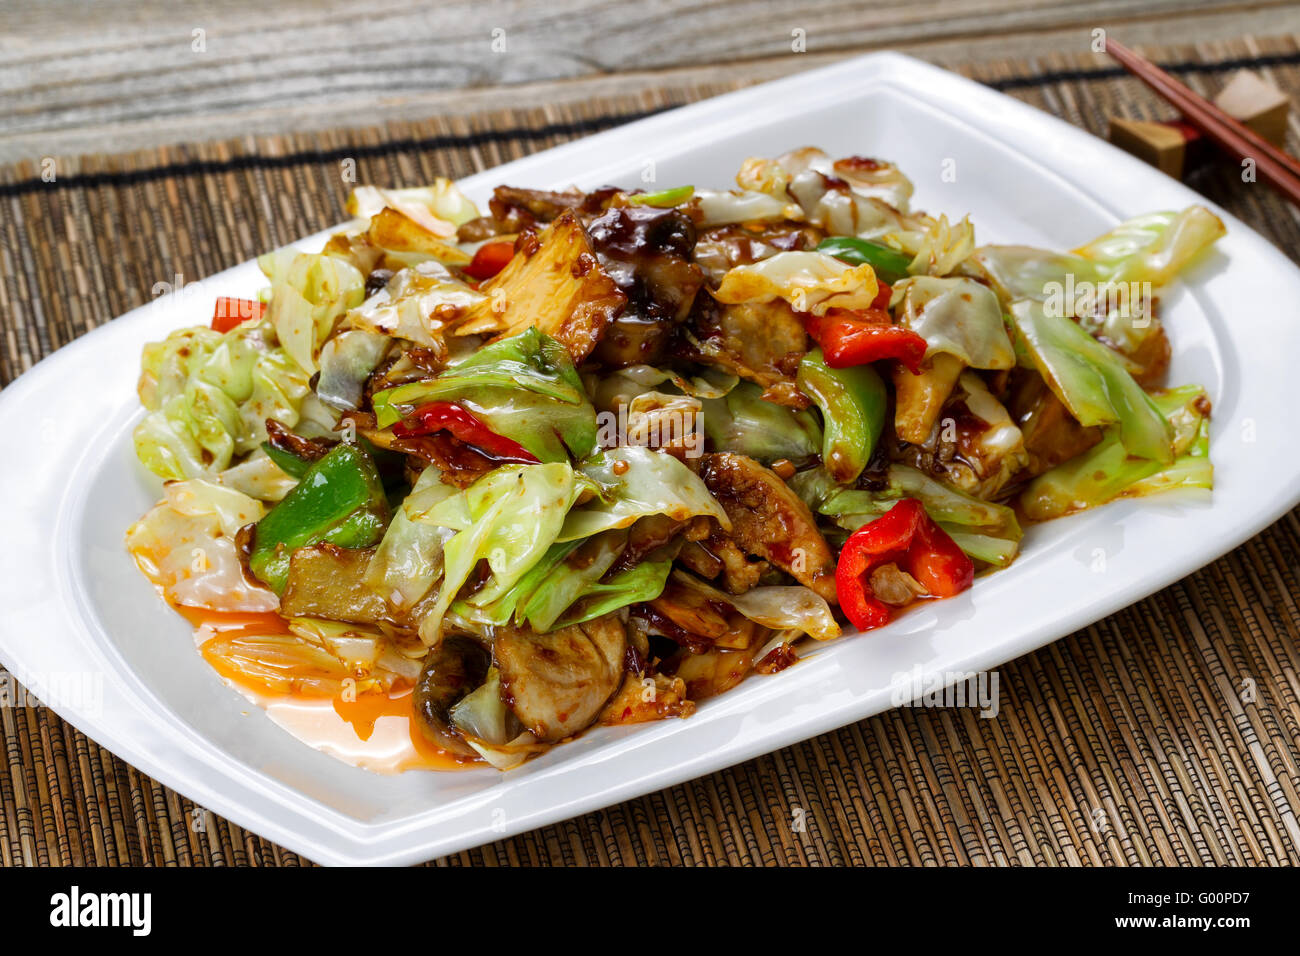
[{"x": 1166, "y": 734}]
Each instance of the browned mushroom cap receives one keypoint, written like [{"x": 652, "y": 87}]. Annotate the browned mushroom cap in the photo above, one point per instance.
[
  {"x": 557, "y": 683},
  {"x": 451, "y": 670}
]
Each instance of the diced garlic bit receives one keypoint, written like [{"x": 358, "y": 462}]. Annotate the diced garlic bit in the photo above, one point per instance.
[{"x": 894, "y": 586}]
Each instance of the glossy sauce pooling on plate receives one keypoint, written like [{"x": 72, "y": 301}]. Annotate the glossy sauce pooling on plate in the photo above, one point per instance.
[{"x": 374, "y": 730}]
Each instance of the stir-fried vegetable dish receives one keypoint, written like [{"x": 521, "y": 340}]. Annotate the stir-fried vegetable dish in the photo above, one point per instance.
[{"x": 588, "y": 458}]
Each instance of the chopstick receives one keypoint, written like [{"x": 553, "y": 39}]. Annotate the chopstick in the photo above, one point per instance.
[{"x": 1280, "y": 170}]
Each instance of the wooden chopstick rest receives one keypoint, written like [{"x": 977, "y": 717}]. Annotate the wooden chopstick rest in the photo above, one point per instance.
[
  {"x": 1168, "y": 146},
  {"x": 1258, "y": 157},
  {"x": 1253, "y": 101}
]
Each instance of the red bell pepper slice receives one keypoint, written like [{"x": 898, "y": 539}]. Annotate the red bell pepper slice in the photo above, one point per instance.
[
  {"x": 448, "y": 416},
  {"x": 907, "y": 537},
  {"x": 490, "y": 259},
  {"x": 857, "y": 338},
  {"x": 884, "y": 293},
  {"x": 231, "y": 313}
]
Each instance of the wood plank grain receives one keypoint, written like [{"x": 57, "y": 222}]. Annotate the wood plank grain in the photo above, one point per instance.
[{"x": 134, "y": 73}]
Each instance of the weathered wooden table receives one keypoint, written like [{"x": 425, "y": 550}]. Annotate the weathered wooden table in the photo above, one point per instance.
[{"x": 107, "y": 77}]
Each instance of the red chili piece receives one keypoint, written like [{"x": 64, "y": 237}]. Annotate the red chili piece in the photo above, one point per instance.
[
  {"x": 857, "y": 338},
  {"x": 230, "y": 313},
  {"x": 490, "y": 259},
  {"x": 448, "y": 416},
  {"x": 908, "y": 538}
]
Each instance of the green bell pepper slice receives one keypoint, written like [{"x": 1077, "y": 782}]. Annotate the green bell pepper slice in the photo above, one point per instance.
[
  {"x": 339, "y": 500},
  {"x": 853, "y": 402},
  {"x": 289, "y": 463},
  {"x": 664, "y": 198},
  {"x": 890, "y": 265}
]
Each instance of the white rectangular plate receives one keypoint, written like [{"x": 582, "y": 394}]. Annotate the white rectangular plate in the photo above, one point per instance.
[{"x": 73, "y": 603}]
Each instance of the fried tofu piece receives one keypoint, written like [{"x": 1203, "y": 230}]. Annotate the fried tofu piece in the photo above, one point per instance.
[
  {"x": 555, "y": 283},
  {"x": 395, "y": 232}
]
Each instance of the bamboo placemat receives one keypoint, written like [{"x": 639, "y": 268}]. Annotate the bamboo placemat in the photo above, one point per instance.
[{"x": 1166, "y": 734}]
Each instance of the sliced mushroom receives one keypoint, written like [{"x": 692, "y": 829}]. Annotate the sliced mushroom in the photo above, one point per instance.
[
  {"x": 558, "y": 683},
  {"x": 454, "y": 668}
]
